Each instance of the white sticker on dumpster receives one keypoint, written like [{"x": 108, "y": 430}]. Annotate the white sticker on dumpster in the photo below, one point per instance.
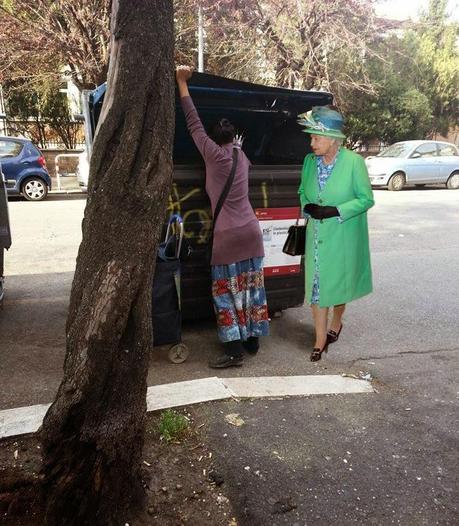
[{"x": 274, "y": 223}]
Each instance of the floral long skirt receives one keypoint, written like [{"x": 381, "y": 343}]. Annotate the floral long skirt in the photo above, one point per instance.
[{"x": 239, "y": 297}]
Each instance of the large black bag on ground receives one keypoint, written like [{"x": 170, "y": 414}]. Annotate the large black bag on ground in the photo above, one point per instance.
[
  {"x": 166, "y": 314},
  {"x": 166, "y": 308}
]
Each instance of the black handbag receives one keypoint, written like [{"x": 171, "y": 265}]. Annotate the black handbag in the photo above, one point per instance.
[{"x": 295, "y": 244}]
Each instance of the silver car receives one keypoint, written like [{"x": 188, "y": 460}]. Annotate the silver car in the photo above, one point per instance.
[{"x": 415, "y": 163}]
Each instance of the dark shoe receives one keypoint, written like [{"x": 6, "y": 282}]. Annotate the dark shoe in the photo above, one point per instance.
[
  {"x": 224, "y": 361},
  {"x": 333, "y": 336},
  {"x": 251, "y": 345},
  {"x": 317, "y": 353}
]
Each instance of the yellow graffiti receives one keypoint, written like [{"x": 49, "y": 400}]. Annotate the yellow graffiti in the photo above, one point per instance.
[
  {"x": 199, "y": 216},
  {"x": 203, "y": 217},
  {"x": 264, "y": 191}
]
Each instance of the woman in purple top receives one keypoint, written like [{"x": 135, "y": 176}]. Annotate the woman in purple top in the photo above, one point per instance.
[{"x": 237, "y": 255}]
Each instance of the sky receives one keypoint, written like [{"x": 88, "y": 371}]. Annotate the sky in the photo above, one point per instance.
[{"x": 403, "y": 9}]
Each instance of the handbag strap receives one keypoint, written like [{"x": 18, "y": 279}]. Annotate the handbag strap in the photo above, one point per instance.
[
  {"x": 227, "y": 186},
  {"x": 299, "y": 216}
]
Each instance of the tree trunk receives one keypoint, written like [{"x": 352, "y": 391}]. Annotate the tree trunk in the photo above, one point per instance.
[{"x": 93, "y": 433}]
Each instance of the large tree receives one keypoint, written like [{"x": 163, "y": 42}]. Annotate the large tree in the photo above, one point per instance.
[{"x": 93, "y": 433}]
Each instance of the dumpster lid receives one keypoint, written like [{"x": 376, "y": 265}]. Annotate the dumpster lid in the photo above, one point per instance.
[{"x": 215, "y": 83}]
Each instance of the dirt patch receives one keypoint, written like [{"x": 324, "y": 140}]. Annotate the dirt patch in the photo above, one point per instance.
[{"x": 181, "y": 483}]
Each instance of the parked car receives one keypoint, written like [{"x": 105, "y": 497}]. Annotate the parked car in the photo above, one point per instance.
[
  {"x": 415, "y": 162},
  {"x": 82, "y": 170},
  {"x": 24, "y": 168}
]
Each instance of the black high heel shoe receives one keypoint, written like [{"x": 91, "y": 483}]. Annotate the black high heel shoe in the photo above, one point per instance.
[
  {"x": 333, "y": 336},
  {"x": 317, "y": 353}
]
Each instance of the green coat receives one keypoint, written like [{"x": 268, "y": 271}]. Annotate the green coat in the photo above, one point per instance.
[{"x": 344, "y": 253}]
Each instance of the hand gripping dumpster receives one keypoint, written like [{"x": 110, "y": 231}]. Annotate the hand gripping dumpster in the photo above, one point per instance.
[
  {"x": 276, "y": 146},
  {"x": 166, "y": 292}
]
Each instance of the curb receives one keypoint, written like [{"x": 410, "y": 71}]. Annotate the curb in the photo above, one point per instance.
[{"x": 25, "y": 420}]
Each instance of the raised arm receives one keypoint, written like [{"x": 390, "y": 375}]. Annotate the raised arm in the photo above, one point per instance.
[
  {"x": 206, "y": 146},
  {"x": 183, "y": 75}
]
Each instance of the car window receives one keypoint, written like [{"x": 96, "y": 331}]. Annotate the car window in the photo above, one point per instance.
[
  {"x": 447, "y": 149},
  {"x": 10, "y": 148},
  {"x": 428, "y": 149},
  {"x": 399, "y": 149}
]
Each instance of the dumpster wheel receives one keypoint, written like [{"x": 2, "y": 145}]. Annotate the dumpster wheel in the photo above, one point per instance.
[{"x": 178, "y": 353}]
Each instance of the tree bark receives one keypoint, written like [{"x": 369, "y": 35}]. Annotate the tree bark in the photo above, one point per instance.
[{"x": 93, "y": 433}]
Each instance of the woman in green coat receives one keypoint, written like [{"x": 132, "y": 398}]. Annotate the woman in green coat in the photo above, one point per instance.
[{"x": 335, "y": 194}]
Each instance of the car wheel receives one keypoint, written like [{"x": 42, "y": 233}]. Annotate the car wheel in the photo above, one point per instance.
[
  {"x": 453, "y": 181},
  {"x": 34, "y": 189},
  {"x": 397, "y": 182}
]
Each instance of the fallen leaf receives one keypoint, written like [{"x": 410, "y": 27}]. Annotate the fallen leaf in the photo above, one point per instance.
[{"x": 234, "y": 419}]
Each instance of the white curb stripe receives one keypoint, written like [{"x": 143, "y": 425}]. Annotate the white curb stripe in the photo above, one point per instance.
[
  {"x": 296, "y": 386},
  {"x": 24, "y": 420},
  {"x": 186, "y": 393}
]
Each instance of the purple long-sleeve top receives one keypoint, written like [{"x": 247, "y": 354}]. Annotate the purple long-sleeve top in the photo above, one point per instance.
[{"x": 237, "y": 233}]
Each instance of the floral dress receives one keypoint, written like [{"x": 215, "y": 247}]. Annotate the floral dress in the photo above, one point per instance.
[
  {"x": 240, "y": 300},
  {"x": 323, "y": 173}
]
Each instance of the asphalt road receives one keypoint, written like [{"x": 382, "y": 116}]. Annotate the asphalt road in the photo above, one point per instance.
[
  {"x": 414, "y": 307},
  {"x": 400, "y": 444}
]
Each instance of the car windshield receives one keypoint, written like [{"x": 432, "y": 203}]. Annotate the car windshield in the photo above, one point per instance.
[{"x": 399, "y": 149}]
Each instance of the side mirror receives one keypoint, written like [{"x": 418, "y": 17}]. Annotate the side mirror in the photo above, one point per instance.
[{"x": 416, "y": 155}]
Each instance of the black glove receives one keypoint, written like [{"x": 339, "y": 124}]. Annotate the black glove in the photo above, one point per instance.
[{"x": 321, "y": 212}]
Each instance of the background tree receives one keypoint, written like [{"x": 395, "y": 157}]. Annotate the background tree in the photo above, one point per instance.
[
  {"x": 397, "y": 110},
  {"x": 37, "y": 34},
  {"x": 392, "y": 81},
  {"x": 93, "y": 433},
  {"x": 42, "y": 112},
  {"x": 293, "y": 43},
  {"x": 438, "y": 61}
]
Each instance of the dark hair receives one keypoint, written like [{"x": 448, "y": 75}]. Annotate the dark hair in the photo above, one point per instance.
[{"x": 223, "y": 132}]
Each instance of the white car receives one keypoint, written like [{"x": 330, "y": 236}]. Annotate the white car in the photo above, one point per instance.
[
  {"x": 82, "y": 170},
  {"x": 415, "y": 163}
]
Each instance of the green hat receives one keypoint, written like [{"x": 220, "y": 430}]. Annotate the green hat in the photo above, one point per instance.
[{"x": 323, "y": 121}]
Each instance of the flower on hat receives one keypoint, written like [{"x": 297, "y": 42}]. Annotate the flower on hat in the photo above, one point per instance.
[{"x": 321, "y": 120}]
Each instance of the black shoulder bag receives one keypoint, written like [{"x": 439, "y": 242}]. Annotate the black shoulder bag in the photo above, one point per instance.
[{"x": 221, "y": 200}]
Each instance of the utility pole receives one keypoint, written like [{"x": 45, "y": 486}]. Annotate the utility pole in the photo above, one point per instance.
[
  {"x": 2, "y": 113},
  {"x": 200, "y": 41}
]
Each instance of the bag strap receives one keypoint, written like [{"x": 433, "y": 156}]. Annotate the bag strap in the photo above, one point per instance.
[
  {"x": 298, "y": 216},
  {"x": 227, "y": 186}
]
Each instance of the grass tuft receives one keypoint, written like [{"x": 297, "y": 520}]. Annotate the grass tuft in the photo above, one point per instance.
[{"x": 172, "y": 425}]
